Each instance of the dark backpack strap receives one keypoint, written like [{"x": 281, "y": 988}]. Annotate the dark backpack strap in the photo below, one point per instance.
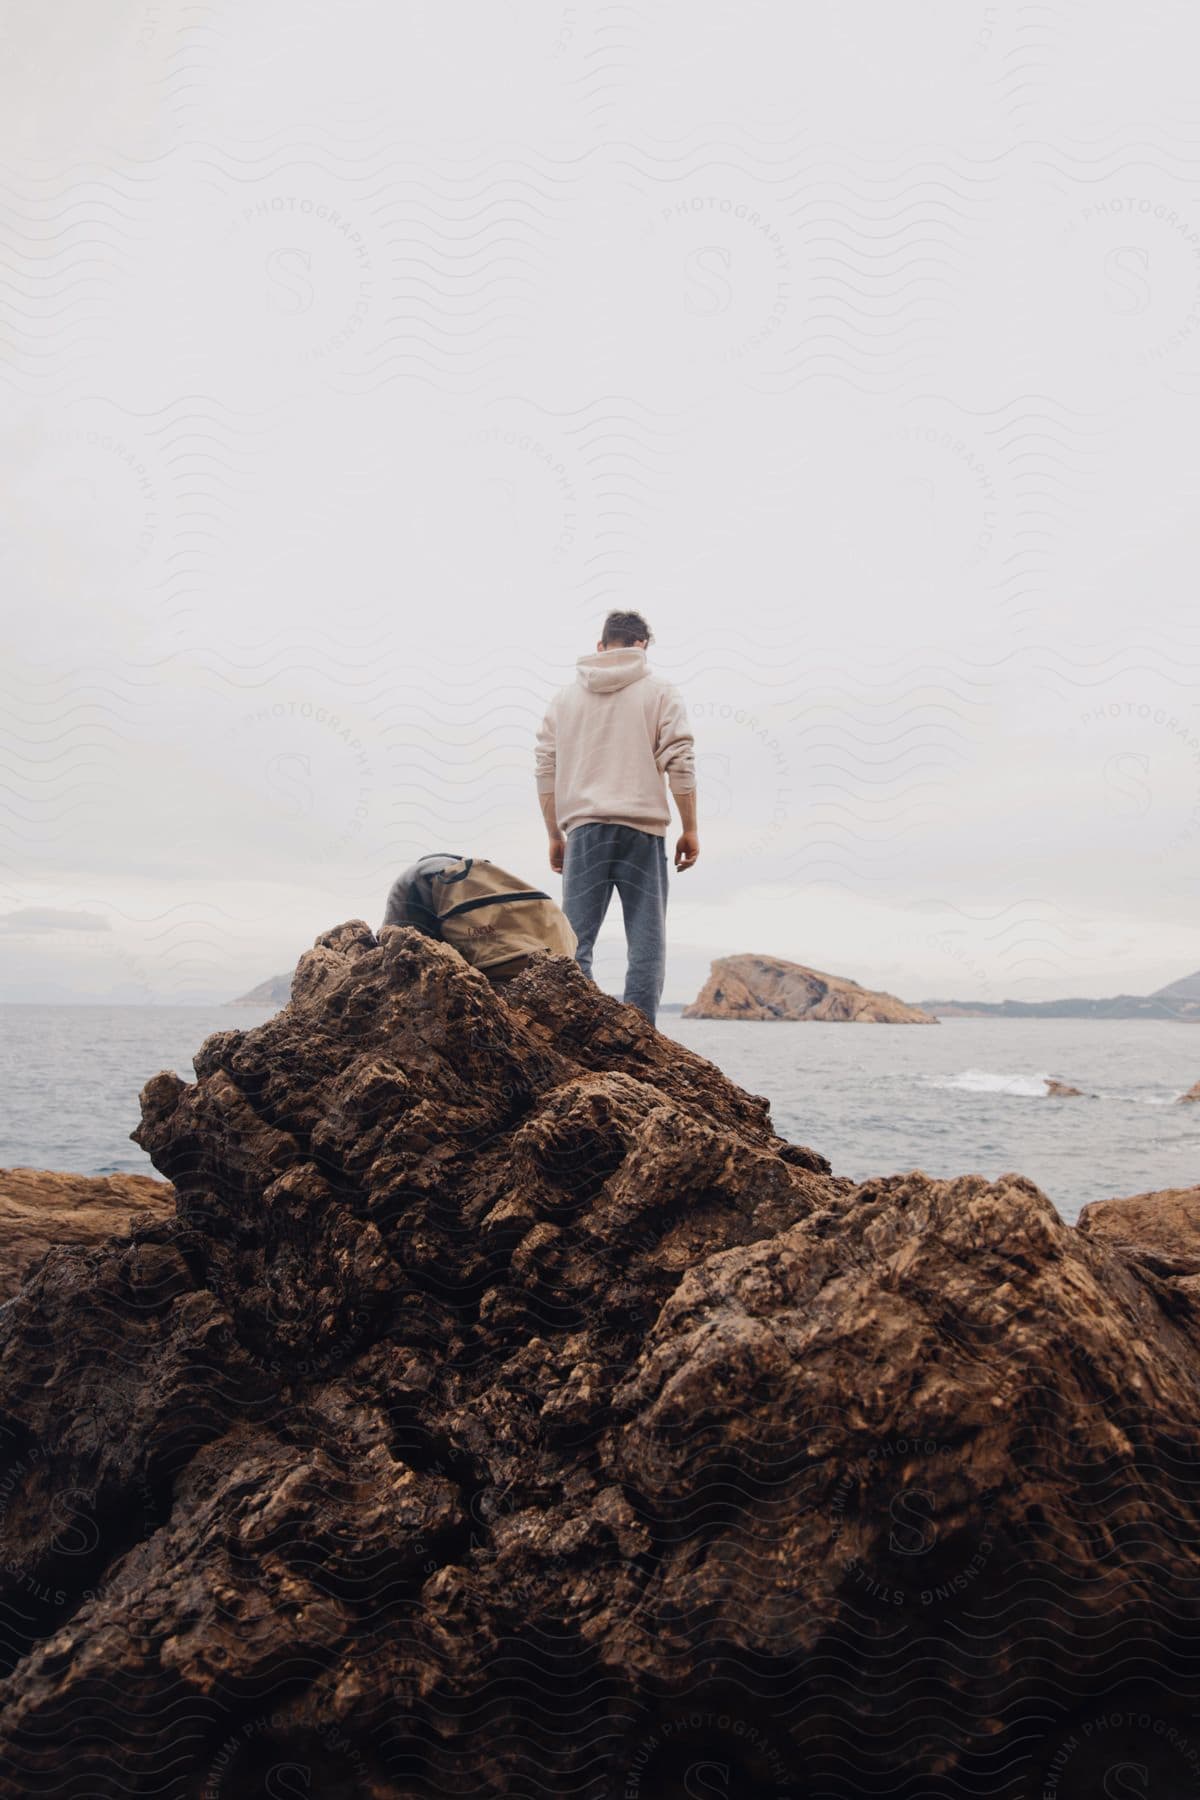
[
  {"x": 465, "y": 906},
  {"x": 442, "y": 875}
]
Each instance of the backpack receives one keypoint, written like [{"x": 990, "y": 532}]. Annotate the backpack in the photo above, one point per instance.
[{"x": 489, "y": 915}]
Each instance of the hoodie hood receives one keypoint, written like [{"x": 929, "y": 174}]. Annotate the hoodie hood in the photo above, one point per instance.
[{"x": 604, "y": 671}]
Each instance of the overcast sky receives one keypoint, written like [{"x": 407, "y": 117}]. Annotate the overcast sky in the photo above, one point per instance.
[{"x": 358, "y": 359}]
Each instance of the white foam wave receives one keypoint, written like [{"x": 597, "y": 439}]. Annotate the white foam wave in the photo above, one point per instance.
[
  {"x": 1033, "y": 1087},
  {"x": 987, "y": 1081}
]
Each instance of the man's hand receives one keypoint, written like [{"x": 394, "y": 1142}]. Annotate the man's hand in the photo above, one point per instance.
[
  {"x": 558, "y": 845},
  {"x": 686, "y": 850}
]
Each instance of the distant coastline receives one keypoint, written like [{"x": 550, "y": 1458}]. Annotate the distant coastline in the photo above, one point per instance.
[
  {"x": 276, "y": 990},
  {"x": 1179, "y": 1003}
]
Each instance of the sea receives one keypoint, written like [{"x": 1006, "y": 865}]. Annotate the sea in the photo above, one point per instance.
[{"x": 965, "y": 1096}]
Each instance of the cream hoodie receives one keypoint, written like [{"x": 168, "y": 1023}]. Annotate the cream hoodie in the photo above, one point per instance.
[{"x": 610, "y": 742}]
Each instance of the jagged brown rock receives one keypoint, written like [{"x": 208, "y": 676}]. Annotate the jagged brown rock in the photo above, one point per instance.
[
  {"x": 510, "y": 1411},
  {"x": 1160, "y": 1229},
  {"x": 767, "y": 987},
  {"x": 41, "y": 1207},
  {"x": 1192, "y": 1094},
  {"x": 1062, "y": 1090}
]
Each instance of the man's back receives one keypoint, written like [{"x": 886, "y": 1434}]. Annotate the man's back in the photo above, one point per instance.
[{"x": 610, "y": 741}]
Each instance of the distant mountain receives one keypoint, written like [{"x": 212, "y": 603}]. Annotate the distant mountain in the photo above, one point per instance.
[
  {"x": 1187, "y": 989},
  {"x": 276, "y": 991},
  {"x": 767, "y": 987},
  {"x": 1167, "y": 1003}
]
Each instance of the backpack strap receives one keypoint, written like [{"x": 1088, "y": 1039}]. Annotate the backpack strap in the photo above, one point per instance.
[
  {"x": 465, "y": 906},
  {"x": 442, "y": 875}
]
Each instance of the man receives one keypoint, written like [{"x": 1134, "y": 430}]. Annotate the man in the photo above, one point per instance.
[
  {"x": 492, "y": 918},
  {"x": 607, "y": 748}
]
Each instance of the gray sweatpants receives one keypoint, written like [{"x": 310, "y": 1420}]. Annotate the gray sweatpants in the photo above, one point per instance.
[{"x": 599, "y": 858}]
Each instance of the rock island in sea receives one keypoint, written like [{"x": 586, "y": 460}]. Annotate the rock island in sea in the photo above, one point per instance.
[{"x": 767, "y": 987}]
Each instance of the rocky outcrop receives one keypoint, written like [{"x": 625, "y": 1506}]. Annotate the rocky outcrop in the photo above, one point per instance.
[
  {"x": 1062, "y": 1090},
  {"x": 41, "y": 1207},
  {"x": 766, "y": 987},
  {"x": 509, "y": 1410},
  {"x": 1160, "y": 1230},
  {"x": 1192, "y": 1094}
]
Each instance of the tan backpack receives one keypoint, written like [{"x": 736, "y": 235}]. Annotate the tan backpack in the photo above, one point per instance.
[{"x": 489, "y": 915}]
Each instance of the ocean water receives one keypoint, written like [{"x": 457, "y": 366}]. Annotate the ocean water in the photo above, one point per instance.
[
  {"x": 965, "y": 1096},
  {"x": 70, "y": 1077}
]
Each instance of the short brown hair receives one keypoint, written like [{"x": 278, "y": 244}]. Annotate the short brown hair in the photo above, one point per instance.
[{"x": 625, "y": 628}]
